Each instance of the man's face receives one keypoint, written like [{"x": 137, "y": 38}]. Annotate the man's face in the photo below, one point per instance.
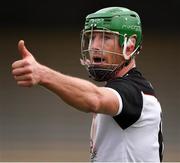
[{"x": 104, "y": 48}]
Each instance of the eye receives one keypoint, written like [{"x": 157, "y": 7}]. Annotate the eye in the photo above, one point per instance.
[{"x": 107, "y": 36}]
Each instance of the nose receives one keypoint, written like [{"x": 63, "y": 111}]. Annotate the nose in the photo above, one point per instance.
[{"x": 96, "y": 43}]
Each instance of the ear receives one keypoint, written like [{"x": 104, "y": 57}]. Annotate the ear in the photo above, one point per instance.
[{"x": 130, "y": 45}]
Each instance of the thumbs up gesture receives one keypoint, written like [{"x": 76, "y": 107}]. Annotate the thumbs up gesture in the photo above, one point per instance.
[
  {"x": 26, "y": 70},
  {"x": 22, "y": 49}
]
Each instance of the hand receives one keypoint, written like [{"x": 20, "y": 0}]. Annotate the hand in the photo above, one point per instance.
[{"x": 26, "y": 71}]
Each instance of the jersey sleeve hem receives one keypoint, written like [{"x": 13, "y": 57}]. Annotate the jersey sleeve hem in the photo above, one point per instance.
[{"x": 119, "y": 100}]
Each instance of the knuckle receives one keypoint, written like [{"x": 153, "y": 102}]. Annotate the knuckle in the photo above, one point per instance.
[
  {"x": 29, "y": 77},
  {"x": 27, "y": 62},
  {"x": 29, "y": 69}
]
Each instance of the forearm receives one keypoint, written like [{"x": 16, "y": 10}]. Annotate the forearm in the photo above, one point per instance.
[{"x": 78, "y": 93}]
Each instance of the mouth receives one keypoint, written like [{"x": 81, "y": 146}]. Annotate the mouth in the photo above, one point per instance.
[{"x": 97, "y": 59}]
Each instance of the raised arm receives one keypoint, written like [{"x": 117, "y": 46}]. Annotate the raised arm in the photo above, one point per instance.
[{"x": 79, "y": 93}]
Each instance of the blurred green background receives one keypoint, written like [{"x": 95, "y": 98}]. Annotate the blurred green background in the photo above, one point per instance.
[{"x": 35, "y": 125}]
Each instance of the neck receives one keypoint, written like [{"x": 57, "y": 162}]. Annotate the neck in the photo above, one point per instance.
[{"x": 125, "y": 69}]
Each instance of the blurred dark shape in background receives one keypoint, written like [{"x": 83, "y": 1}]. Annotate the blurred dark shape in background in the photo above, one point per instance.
[{"x": 154, "y": 14}]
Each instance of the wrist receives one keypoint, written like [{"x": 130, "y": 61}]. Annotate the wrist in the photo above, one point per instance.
[{"x": 43, "y": 75}]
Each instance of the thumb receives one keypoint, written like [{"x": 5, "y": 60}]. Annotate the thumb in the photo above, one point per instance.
[{"x": 23, "y": 50}]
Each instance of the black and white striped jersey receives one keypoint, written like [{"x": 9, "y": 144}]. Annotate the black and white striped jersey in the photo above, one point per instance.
[{"x": 134, "y": 134}]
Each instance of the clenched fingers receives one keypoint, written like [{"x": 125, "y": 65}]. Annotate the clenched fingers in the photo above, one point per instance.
[
  {"x": 21, "y": 71},
  {"x": 25, "y": 83},
  {"x": 20, "y": 63},
  {"x": 26, "y": 77}
]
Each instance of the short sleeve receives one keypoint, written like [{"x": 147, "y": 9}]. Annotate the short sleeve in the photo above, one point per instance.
[
  {"x": 131, "y": 102},
  {"x": 119, "y": 100}
]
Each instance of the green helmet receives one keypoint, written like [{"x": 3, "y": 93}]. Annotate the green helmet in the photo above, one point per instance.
[
  {"x": 122, "y": 24},
  {"x": 119, "y": 19}
]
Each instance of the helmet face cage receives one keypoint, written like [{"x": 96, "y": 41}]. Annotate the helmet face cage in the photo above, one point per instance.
[{"x": 98, "y": 57}]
